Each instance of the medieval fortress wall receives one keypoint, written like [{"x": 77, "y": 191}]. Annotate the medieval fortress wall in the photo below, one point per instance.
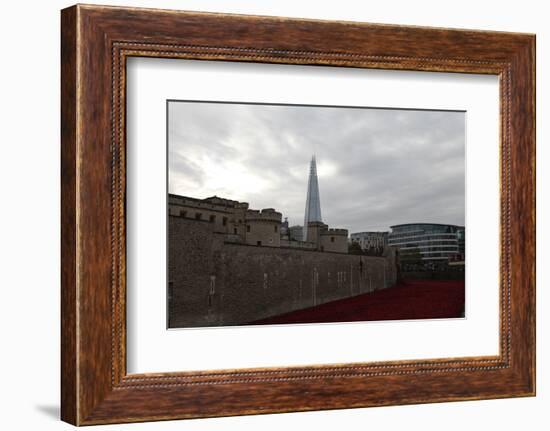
[
  {"x": 229, "y": 264},
  {"x": 214, "y": 280}
]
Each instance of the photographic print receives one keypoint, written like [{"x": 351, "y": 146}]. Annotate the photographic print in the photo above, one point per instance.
[
  {"x": 287, "y": 232},
  {"x": 296, "y": 214}
]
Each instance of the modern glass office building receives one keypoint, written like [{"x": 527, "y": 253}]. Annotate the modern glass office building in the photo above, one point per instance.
[
  {"x": 370, "y": 240},
  {"x": 433, "y": 242}
]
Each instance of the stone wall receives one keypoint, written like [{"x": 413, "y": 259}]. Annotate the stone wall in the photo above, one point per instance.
[
  {"x": 213, "y": 283},
  {"x": 264, "y": 232},
  {"x": 335, "y": 240}
]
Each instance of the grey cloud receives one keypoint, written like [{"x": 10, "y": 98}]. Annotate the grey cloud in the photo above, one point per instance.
[{"x": 377, "y": 167}]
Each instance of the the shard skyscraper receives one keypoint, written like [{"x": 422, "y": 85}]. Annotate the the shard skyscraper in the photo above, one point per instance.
[{"x": 313, "y": 201}]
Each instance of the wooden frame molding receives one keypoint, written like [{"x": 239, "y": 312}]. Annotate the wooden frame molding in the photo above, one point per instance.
[{"x": 95, "y": 43}]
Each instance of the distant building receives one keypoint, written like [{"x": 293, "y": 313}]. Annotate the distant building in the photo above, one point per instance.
[
  {"x": 314, "y": 230},
  {"x": 313, "y": 200},
  {"x": 461, "y": 235},
  {"x": 285, "y": 229},
  {"x": 430, "y": 242},
  {"x": 296, "y": 233},
  {"x": 370, "y": 241}
]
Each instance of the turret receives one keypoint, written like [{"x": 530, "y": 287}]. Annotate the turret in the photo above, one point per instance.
[{"x": 263, "y": 227}]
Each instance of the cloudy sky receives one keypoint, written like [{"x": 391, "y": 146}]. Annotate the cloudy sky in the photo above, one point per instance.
[{"x": 376, "y": 167}]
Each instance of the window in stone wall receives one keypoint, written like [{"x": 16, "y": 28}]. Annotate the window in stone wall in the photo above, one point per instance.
[
  {"x": 331, "y": 239},
  {"x": 224, "y": 221},
  {"x": 248, "y": 228},
  {"x": 275, "y": 229},
  {"x": 212, "y": 218},
  {"x": 198, "y": 216}
]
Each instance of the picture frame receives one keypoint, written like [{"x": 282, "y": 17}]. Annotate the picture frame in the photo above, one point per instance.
[{"x": 96, "y": 41}]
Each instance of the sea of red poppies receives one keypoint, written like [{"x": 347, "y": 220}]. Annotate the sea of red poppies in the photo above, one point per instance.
[{"x": 409, "y": 299}]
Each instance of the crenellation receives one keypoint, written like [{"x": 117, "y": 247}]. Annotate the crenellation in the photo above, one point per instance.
[
  {"x": 335, "y": 231},
  {"x": 264, "y": 227}
]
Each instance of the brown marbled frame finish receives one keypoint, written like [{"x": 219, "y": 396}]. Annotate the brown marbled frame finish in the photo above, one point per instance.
[{"x": 95, "y": 43}]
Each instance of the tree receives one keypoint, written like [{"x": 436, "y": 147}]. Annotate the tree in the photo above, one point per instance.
[
  {"x": 410, "y": 256},
  {"x": 354, "y": 248}
]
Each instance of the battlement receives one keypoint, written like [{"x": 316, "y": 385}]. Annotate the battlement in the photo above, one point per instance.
[
  {"x": 319, "y": 224},
  {"x": 212, "y": 203},
  {"x": 216, "y": 200},
  {"x": 267, "y": 214},
  {"x": 262, "y": 227},
  {"x": 335, "y": 231}
]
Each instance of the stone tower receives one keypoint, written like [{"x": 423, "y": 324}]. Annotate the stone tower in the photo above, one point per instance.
[{"x": 313, "y": 201}]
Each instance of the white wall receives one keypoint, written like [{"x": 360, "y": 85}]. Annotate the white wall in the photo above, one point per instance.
[{"x": 29, "y": 224}]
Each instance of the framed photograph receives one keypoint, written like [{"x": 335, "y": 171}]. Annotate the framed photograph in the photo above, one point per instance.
[
  {"x": 230, "y": 264},
  {"x": 264, "y": 214}
]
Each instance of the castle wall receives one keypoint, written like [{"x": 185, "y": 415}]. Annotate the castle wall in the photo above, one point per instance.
[
  {"x": 334, "y": 240},
  {"x": 220, "y": 218},
  {"x": 213, "y": 283},
  {"x": 285, "y": 243},
  {"x": 263, "y": 227},
  {"x": 314, "y": 232},
  {"x": 265, "y": 232}
]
